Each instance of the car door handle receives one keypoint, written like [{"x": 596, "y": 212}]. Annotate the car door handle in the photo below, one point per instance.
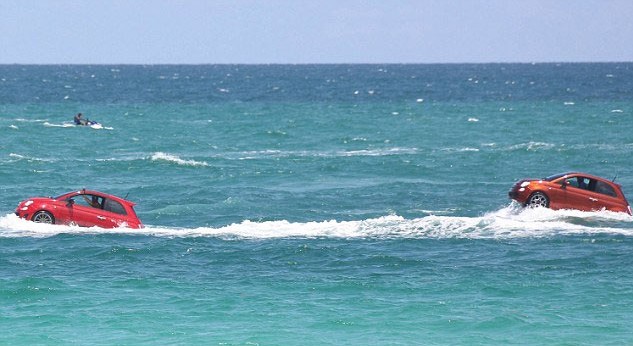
[
  {"x": 593, "y": 199},
  {"x": 101, "y": 217}
]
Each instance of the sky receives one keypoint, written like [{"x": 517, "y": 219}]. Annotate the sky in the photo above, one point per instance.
[{"x": 314, "y": 31}]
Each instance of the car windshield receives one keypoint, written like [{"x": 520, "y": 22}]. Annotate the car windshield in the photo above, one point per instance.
[
  {"x": 60, "y": 196},
  {"x": 555, "y": 176}
]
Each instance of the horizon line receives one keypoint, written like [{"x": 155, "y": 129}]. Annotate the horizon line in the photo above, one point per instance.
[{"x": 319, "y": 63}]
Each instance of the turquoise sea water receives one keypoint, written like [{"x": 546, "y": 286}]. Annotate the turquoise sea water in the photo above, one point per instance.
[{"x": 316, "y": 204}]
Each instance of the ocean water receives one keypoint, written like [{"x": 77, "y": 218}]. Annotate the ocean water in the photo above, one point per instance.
[{"x": 316, "y": 205}]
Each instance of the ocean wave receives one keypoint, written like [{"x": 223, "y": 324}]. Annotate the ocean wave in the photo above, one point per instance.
[
  {"x": 17, "y": 157},
  {"x": 258, "y": 154},
  {"x": 533, "y": 146},
  {"x": 460, "y": 150},
  {"x": 379, "y": 152},
  {"x": 160, "y": 156},
  {"x": 506, "y": 223}
]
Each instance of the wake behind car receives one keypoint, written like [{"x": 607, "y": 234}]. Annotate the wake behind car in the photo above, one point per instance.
[
  {"x": 572, "y": 190},
  {"x": 83, "y": 208}
]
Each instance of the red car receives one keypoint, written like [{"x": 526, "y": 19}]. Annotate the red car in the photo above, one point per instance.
[
  {"x": 83, "y": 208},
  {"x": 571, "y": 190}
]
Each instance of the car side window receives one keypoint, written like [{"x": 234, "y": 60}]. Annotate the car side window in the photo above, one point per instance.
[
  {"x": 88, "y": 201},
  {"x": 583, "y": 183},
  {"x": 606, "y": 189},
  {"x": 572, "y": 182},
  {"x": 578, "y": 182},
  {"x": 114, "y": 206}
]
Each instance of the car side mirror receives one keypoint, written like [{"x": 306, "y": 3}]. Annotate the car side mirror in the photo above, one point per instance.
[
  {"x": 563, "y": 185},
  {"x": 70, "y": 202}
]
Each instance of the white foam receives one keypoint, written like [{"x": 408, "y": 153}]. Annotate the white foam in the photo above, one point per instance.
[
  {"x": 22, "y": 120},
  {"x": 508, "y": 222},
  {"x": 47, "y": 124},
  {"x": 13, "y": 227},
  {"x": 533, "y": 146},
  {"x": 96, "y": 126},
  {"x": 459, "y": 150},
  {"x": 377, "y": 152},
  {"x": 160, "y": 156},
  {"x": 19, "y": 157},
  {"x": 250, "y": 155}
]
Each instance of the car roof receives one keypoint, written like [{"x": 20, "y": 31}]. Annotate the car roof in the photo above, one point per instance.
[
  {"x": 587, "y": 175},
  {"x": 102, "y": 194}
]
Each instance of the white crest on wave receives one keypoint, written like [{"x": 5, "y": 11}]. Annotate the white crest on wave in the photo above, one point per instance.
[
  {"x": 506, "y": 223},
  {"x": 160, "y": 156}
]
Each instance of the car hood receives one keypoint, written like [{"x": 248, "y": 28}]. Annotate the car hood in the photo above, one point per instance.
[
  {"x": 39, "y": 199},
  {"x": 527, "y": 179}
]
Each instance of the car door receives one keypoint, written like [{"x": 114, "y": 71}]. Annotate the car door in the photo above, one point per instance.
[
  {"x": 577, "y": 193},
  {"x": 557, "y": 192},
  {"x": 62, "y": 210},
  {"x": 87, "y": 211}
]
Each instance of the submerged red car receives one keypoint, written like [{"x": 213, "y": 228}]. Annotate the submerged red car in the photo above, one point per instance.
[
  {"x": 83, "y": 208},
  {"x": 572, "y": 190}
]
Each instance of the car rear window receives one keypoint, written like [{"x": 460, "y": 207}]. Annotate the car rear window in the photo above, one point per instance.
[
  {"x": 606, "y": 189},
  {"x": 114, "y": 206}
]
